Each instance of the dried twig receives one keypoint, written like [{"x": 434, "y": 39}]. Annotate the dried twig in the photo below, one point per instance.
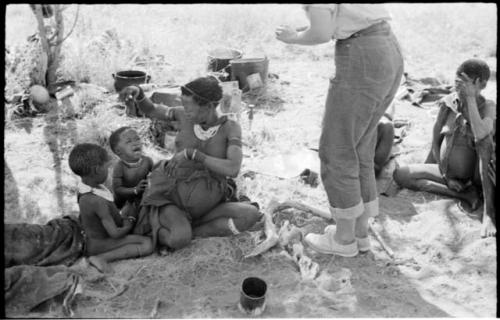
[
  {"x": 154, "y": 312},
  {"x": 72, "y": 28},
  {"x": 381, "y": 241}
]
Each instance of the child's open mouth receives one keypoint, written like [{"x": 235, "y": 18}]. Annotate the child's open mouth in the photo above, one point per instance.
[{"x": 137, "y": 149}]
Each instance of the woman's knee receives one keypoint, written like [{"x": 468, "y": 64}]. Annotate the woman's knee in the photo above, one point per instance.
[
  {"x": 249, "y": 216},
  {"x": 176, "y": 238},
  {"x": 402, "y": 176}
]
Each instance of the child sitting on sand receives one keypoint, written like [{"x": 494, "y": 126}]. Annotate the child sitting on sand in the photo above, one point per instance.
[
  {"x": 106, "y": 232},
  {"x": 385, "y": 140},
  {"x": 130, "y": 172}
]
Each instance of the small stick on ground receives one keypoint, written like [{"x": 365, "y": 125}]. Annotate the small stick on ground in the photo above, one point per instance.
[
  {"x": 154, "y": 312},
  {"x": 381, "y": 241},
  {"x": 133, "y": 275}
]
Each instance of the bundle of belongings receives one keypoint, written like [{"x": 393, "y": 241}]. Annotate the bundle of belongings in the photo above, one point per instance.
[
  {"x": 36, "y": 264},
  {"x": 424, "y": 90}
]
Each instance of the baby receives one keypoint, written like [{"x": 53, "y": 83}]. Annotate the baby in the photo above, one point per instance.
[{"x": 131, "y": 171}]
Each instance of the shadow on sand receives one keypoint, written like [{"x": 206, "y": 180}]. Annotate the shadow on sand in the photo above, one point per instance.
[{"x": 60, "y": 135}]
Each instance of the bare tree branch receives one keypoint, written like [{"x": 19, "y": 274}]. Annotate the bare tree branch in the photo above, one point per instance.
[{"x": 72, "y": 28}]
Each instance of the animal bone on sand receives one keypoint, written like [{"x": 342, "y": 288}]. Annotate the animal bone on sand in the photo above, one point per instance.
[
  {"x": 300, "y": 206},
  {"x": 308, "y": 268},
  {"x": 288, "y": 234},
  {"x": 271, "y": 240}
]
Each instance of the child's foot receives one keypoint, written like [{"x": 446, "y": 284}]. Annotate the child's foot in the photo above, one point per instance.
[{"x": 101, "y": 265}]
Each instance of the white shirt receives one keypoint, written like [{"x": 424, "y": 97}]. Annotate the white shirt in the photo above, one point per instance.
[{"x": 349, "y": 18}]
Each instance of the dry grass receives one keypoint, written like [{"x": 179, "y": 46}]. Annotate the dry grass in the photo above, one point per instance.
[{"x": 434, "y": 37}]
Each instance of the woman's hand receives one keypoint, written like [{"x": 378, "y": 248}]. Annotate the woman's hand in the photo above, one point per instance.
[
  {"x": 467, "y": 86},
  {"x": 129, "y": 93},
  {"x": 129, "y": 210},
  {"x": 456, "y": 185},
  {"x": 286, "y": 34},
  {"x": 173, "y": 163}
]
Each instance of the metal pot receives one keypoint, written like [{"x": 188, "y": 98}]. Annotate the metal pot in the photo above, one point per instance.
[{"x": 128, "y": 78}]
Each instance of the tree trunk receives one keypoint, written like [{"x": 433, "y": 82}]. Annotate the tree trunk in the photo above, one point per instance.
[
  {"x": 55, "y": 47},
  {"x": 38, "y": 74},
  {"x": 51, "y": 48}
]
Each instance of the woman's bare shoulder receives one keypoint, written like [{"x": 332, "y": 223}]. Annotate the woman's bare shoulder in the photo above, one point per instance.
[{"x": 232, "y": 124}]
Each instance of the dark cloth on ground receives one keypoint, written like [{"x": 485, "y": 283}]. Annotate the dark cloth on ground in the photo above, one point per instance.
[
  {"x": 424, "y": 90},
  {"x": 60, "y": 241},
  {"x": 26, "y": 287}
]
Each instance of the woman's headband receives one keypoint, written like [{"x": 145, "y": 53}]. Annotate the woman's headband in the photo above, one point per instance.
[{"x": 199, "y": 96}]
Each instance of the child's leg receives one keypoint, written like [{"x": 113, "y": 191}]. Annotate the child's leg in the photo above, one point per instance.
[
  {"x": 130, "y": 246},
  {"x": 385, "y": 139},
  {"x": 427, "y": 177},
  {"x": 226, "y": 219}
]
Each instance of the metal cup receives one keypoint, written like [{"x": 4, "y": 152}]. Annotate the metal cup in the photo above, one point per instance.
[{"x": 253, "y": 296}]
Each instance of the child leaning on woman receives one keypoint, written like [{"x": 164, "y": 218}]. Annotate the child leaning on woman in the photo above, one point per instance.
[{"x": 106, "y": 231}]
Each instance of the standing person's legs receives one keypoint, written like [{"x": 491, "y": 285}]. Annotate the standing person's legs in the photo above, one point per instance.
[
  {"x": 369, "y": 72},
  {"x": 343, "y": 123}
]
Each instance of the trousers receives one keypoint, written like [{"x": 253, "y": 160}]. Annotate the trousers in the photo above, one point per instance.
[{"x": 368, "y": 72}]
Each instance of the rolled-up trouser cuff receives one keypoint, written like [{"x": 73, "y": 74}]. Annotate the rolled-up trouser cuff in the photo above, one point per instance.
[
  {"x": 347, "y": 213},
  {"x": 371, "y": 208}
]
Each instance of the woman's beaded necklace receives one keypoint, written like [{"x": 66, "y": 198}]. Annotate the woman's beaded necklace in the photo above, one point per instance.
[{"x": 204, "y": 135}]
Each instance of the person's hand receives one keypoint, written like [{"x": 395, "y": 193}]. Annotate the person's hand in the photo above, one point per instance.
[
  {"x": 141, "y": 186},
  {"x": 468, "y": 86},
  {"x": 456, "y": 185},
  {"x": 129, "y": 210},
  {"x": 129, "y": 93},
  {"x": 286, "y": 34},
  {"x": 173, "y": 163}
]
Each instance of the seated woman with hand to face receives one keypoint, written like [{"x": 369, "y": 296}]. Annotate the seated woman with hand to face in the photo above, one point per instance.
[{"x": 186, "y": 196}]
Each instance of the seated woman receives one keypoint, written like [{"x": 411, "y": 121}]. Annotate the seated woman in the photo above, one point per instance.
[
  {"x": 461, "y": 141},
  {"x": 186, "y": 196}
]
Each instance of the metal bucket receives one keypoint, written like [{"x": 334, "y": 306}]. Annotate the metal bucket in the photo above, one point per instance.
[
  {"x": 218, "y": 60},
  {"x": 242, "y": 68}
]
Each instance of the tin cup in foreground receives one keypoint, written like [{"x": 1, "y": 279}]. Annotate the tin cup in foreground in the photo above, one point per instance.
[{"x": 253, "y": 296}]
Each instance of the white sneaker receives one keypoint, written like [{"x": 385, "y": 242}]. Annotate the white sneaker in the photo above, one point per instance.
[
  {"x": 363, "y": 243},
  {"x": 324, "y": 243}
]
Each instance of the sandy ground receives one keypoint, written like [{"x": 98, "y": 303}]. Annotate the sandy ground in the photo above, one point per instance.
[{"x": 442, "y": 267}]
